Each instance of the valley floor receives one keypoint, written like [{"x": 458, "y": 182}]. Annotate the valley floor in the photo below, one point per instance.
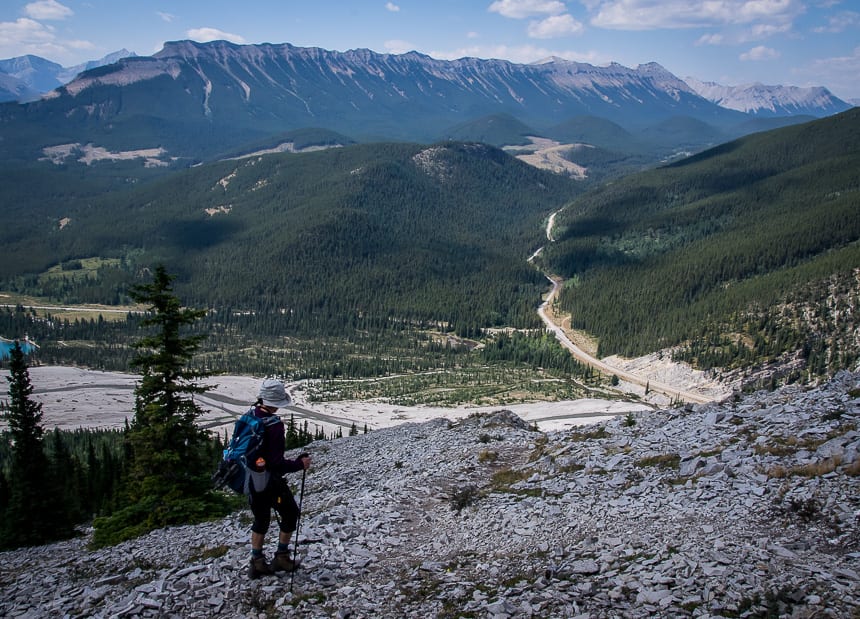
[{"x": 79, "y": 398}]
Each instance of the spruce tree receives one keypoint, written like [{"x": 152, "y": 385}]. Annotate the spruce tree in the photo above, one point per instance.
[
  {"x": 30, "y": 508},
  {"x": 64, "y": 483},
  {"x": 169, "y": 457}
]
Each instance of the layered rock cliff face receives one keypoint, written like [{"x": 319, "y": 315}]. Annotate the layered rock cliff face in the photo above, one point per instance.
[
  {"x": 244, "y": 93},
  {"x": 741, "y": 509}
]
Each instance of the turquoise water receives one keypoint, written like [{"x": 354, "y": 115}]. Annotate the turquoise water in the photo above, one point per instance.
[{"x": 6, "y": 347}]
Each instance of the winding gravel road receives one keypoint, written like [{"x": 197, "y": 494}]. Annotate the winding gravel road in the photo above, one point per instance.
[{"x": 583, "y": 357}]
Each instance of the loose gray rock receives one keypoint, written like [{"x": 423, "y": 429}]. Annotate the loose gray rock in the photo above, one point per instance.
[{"x": 741, "y": 508}]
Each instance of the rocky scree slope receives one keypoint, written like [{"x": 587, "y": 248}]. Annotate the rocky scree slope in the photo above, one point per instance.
[{"x": 739, "y": 509}]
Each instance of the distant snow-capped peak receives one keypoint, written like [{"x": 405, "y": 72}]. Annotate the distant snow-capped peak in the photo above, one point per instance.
[
  {"x": 25, "y": 78},
  {"x": 67, "y": 74},
  {"x": 758, "y": 98}
]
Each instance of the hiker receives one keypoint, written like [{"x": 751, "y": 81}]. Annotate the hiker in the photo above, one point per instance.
[{"x": 269, "y": 490}]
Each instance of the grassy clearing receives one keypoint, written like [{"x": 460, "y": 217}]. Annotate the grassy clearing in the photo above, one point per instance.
[
  {"x": 77, "y": 270},
  {"x": 43, "y": 307},
  {"x": 485, "y": 386}
]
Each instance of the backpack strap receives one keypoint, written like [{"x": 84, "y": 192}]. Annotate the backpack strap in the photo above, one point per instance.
[{"x": 270, "y": 420}]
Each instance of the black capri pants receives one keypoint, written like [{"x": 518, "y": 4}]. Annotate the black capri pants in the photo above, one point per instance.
[{"x": 277, "y": 496}]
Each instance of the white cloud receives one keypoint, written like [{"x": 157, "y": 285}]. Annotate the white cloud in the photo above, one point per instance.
[
  {"x": 760, "y": 52},
  {"x": 79, "y": 45},
  {"x": 472, "y": 35},
  {"x": 523, "y": 54},
  {"x": 392, "y": 7},
  {"x": 634, "y": 15},
  {"x": 204, "y": 35},
  {"x": 554, "y": 26},
  {"x": 839, "y": 73},
  {"x": 840, "y": 22},
  {"x": 751, "y": 10},
  {"x": 520, "y": 9},
  {"x": 397, "y": 46},
  {"x": 168, "y": 17},
  {"x": 27, "y": 36},
  {"x": 763, "y": 31},
  {"x": 24, "y": 33},
  {"x": 655, "y": 14},
  {"x": 47, "y": 9},
  {"x": 710, "y": 39}
]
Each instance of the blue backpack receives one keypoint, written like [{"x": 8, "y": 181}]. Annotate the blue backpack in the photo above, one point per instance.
[{"x": 234, "y": 469}]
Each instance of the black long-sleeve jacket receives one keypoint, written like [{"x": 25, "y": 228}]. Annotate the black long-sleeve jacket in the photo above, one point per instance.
[{"x": 273, "y": 447}]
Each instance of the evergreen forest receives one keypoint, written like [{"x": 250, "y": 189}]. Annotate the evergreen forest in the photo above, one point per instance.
[
  {"x": 363, "y": 234},
  {"x": 744, "y": 254},
  {"x": 358, "y": 261},
  {"x": 154, "y": 473},
  {"x": 396, "y": 258}
]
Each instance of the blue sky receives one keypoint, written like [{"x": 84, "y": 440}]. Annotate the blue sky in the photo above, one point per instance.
[{"x": 732, "y": 42}]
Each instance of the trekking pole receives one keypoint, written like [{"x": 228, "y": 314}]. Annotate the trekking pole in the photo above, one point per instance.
[{"x": 298, "y": 528}]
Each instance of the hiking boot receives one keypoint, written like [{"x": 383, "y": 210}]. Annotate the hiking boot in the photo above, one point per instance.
[
  {"x": 283, "y": 562},
  {"x": 258, "y": 567}
]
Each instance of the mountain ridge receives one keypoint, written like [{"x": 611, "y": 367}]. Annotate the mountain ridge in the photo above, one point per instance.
[
  {"x": 29, "y": 77},
  {"x": 771, "y": 100},
  {"x": 191, "y": 89},
  {"x": 41, "y": 76}
]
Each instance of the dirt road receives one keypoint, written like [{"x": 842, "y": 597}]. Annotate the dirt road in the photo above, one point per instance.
[{"x": 584, "y": 357}]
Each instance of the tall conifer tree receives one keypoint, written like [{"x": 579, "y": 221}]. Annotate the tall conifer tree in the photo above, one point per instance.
[
  {"x": 169, "y": 457},
  {"x": 28, "y": 517}
]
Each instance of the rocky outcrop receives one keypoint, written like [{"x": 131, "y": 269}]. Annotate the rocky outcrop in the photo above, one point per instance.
[{"x": 746, "y": 508}]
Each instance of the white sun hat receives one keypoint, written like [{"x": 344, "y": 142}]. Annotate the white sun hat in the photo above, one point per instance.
[{"x": 272, "y": 393}]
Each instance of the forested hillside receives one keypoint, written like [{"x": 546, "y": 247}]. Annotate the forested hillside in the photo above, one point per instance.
[
  {"x": 366, "y": 239},
  {"x": 361, "y": 233},
  {"x": 497, "y": 130},
  {"x": 743, "y": 253}
]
